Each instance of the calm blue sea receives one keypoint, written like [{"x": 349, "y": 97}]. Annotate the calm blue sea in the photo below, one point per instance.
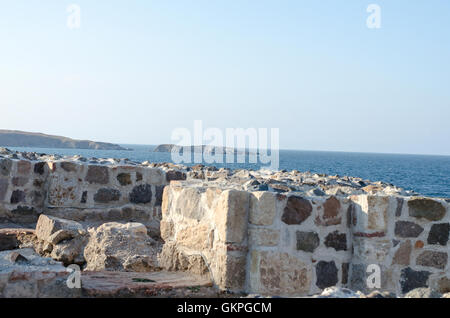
[{"x": 428, "y": 175}]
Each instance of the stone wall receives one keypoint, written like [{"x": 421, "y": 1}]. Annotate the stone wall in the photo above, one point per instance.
[
  {"x": 81, "y": 191},
  {"x": 284, "y": 244}
]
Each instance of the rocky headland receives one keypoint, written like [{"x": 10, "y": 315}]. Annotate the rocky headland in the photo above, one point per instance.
[
  {"x": 162, "y": 229},
  {"x": 15, "y": 138}
]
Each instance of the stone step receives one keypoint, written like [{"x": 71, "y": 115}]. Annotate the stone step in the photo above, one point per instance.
[{"x": 151, "y": 284}]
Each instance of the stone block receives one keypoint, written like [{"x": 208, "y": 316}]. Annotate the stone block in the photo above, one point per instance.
[{"x": 262, "y": 208}]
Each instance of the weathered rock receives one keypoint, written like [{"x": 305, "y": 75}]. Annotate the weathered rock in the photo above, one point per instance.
[
  {"x": 141, "y": 194},
  {"x": 423, "y": 293},
  {"x": 336, "y": 240},
  {"x": 262, "y": 208},
  {"x": 381, "y": 294},
  {"x": 279, "y": 274},
  {"x": 263, "y": 237},
  {"x": 339, "y": 292},
  {"x": 172, "y": 259},
  {"x": 432, "y": 259},
  {"x": 327, "y": 274},
  {"x": 124, "y": 179},
  {"x": 307, "y": 241},
  {"x": 426, "y": 208},
  {"x": 407, "y": 229},
  {"x": 297, "y": 210},
  {"x": 97, "y": 174},
  {"x": 5, "y": 167},
  {"x": 403, "y": 254},
  {"x": 61, "y": 239},
  {"x": 24, "y": 274},
  {"x": 439, "y": 234},
  {"x": 411, "y": 279},
  {"x": 120, "y": 247},
  {"x": 106, "y": 195},
  {"x": 444, "y": 285},
  {"x": 23, "y": 167}
]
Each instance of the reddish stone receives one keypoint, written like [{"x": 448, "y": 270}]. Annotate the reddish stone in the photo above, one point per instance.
[
  {"x": 23, "y": 167},
  {"x": 297, "y": 210},
  {"x": 419, "y": 244}
]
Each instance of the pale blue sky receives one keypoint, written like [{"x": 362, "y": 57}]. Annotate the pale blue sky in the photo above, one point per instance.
[{"x": 136, "y": 70}]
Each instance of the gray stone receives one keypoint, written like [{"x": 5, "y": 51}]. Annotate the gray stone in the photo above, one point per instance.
[
  {"x": 307, "y": 241},
  {"x": 124, "y": 179},
  {"x": 296, "y": 211},
  {"x": 426, "y": 208},
  {"x": 432, "y": 259},
  {"x": 407, "y": 229},
  {"x": 411, "y": 279},
  {"x": 141, "y": 194},
  {"x": 327, "y": 274},
  {"x": 5, "y": 167},
  {"x": 97, "y": 174},
  {"x": 423, "y": 293},
  {"x": 106, "y": 195},
  {"x": 358, "y": 277},
  {"x": 336, "y": 240},
  {"x": 3, "y": 188},
  {"x": 439, "y": 234}
]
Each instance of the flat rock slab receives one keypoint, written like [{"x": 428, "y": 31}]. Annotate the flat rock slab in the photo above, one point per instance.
[{"x": 152, "y": 284}]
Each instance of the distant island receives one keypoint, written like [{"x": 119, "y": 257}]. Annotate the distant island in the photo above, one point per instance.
[
  {"x": 16, "y": 138},
  {"x": 206, "y": 149}
]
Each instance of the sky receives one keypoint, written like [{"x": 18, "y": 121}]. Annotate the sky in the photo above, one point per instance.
[{"x": 136, "y": 70}]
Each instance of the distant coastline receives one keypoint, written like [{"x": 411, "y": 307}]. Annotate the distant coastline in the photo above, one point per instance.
[{"x": 16, "y": 138}]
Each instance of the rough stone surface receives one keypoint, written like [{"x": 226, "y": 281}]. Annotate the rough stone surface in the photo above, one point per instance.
[
  {"x": 307, "y": 241},
  {"x": 336, "y": 240},
  {"x": 63, "y": 240},
  {"x": 327, "y": 274},
  {"x": 281, "y": 273},
  {"x": 423, "y": 293},
  {"x": 411, "y": 279},
  {"x": 97, "y": 174},
  {"x": 106, "y": 195},
  {"x": 439, "y": 234},
  {"x": 432, "y": 259},
  {"x": 120, "y": 247},
  {"x": 124, "y": 179},
  {"x": 426, "y": 208},
  {"x": 173, "y": 259},
  {"x": 5, "y": 167},
  {"x": 407, "y": 229},
  {"x": 297, "y": 210},
  {"x": 403, "y": 254},
  {"x": 262, "y": 208},
  {"x": 141, "y": 194}
]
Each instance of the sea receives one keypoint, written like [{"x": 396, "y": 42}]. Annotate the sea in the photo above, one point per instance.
[{"x": 424, "y": 174}]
